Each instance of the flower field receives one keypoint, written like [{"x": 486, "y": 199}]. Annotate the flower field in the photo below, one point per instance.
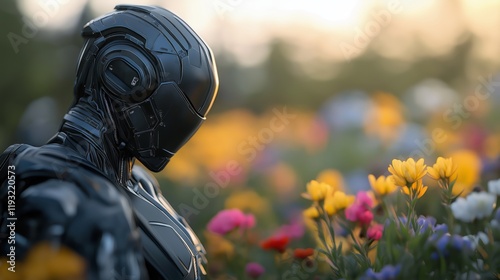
[
  {"x": 324, "y": 200},
  {"x": 348, "y": 140}
]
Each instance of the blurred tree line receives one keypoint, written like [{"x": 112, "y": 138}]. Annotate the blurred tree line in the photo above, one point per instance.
[{"x": 45, "y": 66}]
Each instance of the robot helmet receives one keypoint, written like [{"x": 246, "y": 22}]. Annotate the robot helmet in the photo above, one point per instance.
[{"x": 156, "y": 74}]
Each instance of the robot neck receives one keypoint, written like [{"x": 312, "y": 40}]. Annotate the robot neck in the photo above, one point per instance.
[{"x": 88, "y": 131}]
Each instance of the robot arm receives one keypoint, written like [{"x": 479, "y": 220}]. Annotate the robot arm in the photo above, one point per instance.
[{"x": 59, "y": 214}]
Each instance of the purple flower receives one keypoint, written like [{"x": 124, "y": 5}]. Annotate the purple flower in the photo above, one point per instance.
[
  {"x": 441, "y": 228},
  {"x": 388, "y": 272},
  {"x": 457, "y": 242},
  {"x": 442, "y": 244},
  {"x": 445, "y": 244},
  {"x": 340, "y": 230},
  {"x": 425, "y": 223},
  {"x": 254, "y": 270},
  {"x": 369, "y": 274}
]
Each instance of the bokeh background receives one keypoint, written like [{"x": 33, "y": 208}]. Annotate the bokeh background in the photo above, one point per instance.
[{"x": 327, "y": 88}]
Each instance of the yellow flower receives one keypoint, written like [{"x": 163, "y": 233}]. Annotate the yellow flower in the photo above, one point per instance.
[
  {"x": 311, "y": 212},
  {"x": 444, "y": 168},
  {"x": 407, "y": 172},
  {"x": 218, "y": 246},
  {"x": 281, "y": 177},
  {"x": 384, "y": 117},
  {"x": 417, "y": 188},
  {"x": 469, "y": 170},
  {"x": 45, "y": 261},
  {"x": 337, "y": 201},
  {"x": 317, "y": 191},
  {"x": 382, "y": 185},
  {"x": 333, "y": 178},
  {"x": 247, "y": 201}
]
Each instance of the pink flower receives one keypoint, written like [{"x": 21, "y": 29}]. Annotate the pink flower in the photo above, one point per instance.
[
  {"x": 360, "y": 210},
  {"x": 227, "y": 220},
  {"x": 248, "y": 221},
  {"x": 254, "y": 270},
  {"x": 365, "y": 217},
  {"x": 294, "y": 230},
  {"x": 364, "y": 199},
  {"x": 375, "y": 232}
]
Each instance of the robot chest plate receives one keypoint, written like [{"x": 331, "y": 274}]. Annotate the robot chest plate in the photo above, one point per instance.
[{"x": 167, "y": 243}]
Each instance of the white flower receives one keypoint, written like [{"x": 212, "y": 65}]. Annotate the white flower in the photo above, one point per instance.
[
  {"x": 469, "y": 276},
  {"x": 494, "y": 223},
  {"x": 481, "y": 204},
  {"x": 477, "y": 205},
  {"x": 460, "y": 209},
  {"x": 483, "y": 237},
  {"x": 494, "y": 187},
  {"x": 474, "y": 239}
]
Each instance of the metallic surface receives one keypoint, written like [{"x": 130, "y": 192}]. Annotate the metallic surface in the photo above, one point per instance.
[{"x": 145, "y": 83}]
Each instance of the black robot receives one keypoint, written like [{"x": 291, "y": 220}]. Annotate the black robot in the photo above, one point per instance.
[{"x": 145, "y": 82}]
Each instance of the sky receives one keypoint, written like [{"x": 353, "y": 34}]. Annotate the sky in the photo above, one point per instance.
[{"x": 316, "y": 29}]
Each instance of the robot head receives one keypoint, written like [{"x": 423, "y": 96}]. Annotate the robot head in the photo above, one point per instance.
[{"x": 157, "y": 77}]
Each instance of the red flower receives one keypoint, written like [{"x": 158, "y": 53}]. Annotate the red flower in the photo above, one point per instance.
[
  {"x": 277, "y": 243},
  {"x": 300, "y": 253}
]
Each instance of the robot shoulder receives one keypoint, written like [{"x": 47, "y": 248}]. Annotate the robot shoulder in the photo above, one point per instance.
[
  {"x": 54, "y": 200},
  {"x": 34, "y": 165}
]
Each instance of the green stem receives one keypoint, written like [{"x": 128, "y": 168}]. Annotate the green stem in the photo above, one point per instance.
[
  {"x": 331, "y": 252},
  {"x": 385, "y": 207},
  {"x": 360, "y": 248},
  {"x": 409, "y": 210},
  {"x": 322, "y": 235}
]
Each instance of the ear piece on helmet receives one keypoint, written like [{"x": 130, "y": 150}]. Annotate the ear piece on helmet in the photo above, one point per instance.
[{"x": 126, "y": 72}]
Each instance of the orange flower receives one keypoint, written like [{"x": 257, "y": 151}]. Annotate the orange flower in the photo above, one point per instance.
[
  {"x": 300, "y": 253},
  {"x": 277, "y": 243}
]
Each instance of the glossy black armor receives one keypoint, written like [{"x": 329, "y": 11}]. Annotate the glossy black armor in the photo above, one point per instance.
[
  {"x": 158, "y": 77},
  {"x": 145, "y": 83}
]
